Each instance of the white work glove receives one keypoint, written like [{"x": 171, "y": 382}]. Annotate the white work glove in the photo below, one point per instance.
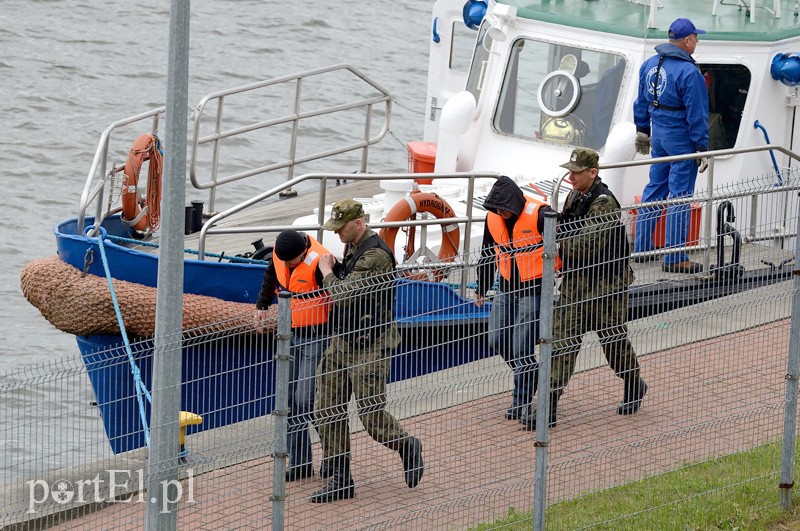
[
  {"x": 642, "y": 143},
  {"x": 702, "y": 165}
]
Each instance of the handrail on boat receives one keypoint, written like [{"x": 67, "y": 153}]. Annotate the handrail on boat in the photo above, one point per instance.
[
  {"x": 210, "y": 226},
  {"x": 294, "y": 118},
  {"x": 711, "y": 156},
  {"x": 99, "y": 175},
  {"x": 323, "y": 178}
]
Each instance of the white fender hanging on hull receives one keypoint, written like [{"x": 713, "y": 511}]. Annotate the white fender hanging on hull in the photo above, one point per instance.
[{"x": 456, "y": 117}]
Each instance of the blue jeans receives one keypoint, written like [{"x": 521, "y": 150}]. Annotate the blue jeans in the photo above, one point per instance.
[
  {"x": 672, "y": 180},
  {"x": 306, "y": 352},
  {"x": 513, "y": 333}
]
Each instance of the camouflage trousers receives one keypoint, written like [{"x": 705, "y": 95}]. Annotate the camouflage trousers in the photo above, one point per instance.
[
  {"x": 591, "y": 306},
  {"x": 342, "y": 372}
]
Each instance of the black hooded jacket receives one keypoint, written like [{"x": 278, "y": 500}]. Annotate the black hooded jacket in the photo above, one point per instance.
[{"x": 505, "y": 195}]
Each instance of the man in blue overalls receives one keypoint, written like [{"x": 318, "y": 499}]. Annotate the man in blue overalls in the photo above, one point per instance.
[{"x": 671, "y": 111}]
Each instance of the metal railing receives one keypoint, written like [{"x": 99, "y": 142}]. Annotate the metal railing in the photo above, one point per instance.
[
  {"x": 99, "y": 174},
  {"x": 294, "y": 119},
  {"x": 211, "y": 226},
  {"x": 707, "y": 197}
]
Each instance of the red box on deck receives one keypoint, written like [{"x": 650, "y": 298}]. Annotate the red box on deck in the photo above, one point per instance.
[
  {"x": 421, "y": 159},
  {"x": 659, "y": 234}
]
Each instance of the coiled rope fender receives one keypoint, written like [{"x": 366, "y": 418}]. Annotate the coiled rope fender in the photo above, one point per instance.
[{"x": 81, "y": 304}]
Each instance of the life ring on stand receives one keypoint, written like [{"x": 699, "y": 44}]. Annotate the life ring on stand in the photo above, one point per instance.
[
  {"x": 146, "y": 147},
  {"x": 406, "y": 209}
]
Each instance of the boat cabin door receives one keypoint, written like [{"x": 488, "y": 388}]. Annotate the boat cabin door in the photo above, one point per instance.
[{"x": 452, "y": 44}]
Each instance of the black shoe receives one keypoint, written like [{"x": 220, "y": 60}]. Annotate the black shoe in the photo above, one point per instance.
[
  {"x": 326, "y": 468},
  {"x": 341, "y": 487},
  {"x": 337, "y": 489},
  {"x": 646, "y": 258},
  {"x": 635, "y": 390},
  {"x": 293, "y": 473},
  {"x": 687, "y": 266},
  {"x": 514, "y": 412},
  {"x": 413, "y": 467},
  {"x": 528, "y": 418}
]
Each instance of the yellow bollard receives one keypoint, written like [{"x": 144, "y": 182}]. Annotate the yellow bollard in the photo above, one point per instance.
[{"x": 187, "y": 418}]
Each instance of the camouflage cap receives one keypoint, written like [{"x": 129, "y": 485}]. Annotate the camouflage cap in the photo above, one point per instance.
[
  {"x": 582, "y": 159},
  {"x": 343, "y": 211}
]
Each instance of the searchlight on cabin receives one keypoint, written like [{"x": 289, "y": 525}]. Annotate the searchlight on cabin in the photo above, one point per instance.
[
  {"x": 473, "y": 13},
  {"x": 786, "y": 69}
]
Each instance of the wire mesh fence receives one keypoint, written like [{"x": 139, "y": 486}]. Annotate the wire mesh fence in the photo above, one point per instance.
[{"x": 410, "y": 368}]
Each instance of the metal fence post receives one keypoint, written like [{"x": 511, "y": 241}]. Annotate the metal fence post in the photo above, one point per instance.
[
  {"x": 163, "y": 489},
  {"x": 545, "y": 352},
  {"x": 281, "y": 411},
  {"x": 792, "y": 374}
]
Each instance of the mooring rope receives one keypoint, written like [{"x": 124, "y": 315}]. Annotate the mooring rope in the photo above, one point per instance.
[{"x": 141, "y": 389}]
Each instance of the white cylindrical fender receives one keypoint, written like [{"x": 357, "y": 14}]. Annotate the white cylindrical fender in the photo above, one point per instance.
[
  {"x": 619, "y": 148},
  {"x": 456, "y": 117}
]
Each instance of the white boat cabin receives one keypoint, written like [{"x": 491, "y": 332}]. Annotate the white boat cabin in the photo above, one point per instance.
[{"x": 544, "y": 77}]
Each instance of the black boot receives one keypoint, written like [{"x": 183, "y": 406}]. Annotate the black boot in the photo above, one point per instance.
[
  {"x": 294, "y": 473},
  {"x": 326, "y": 468},
  {"x": 532, "y": 376},
  {"x": 528, "y": 418},
  {"x": 635, "y": 389},
  {"x": 413, "y": 468},
  {"x": 341, "y": 486}
]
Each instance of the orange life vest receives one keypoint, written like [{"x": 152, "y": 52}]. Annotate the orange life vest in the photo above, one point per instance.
[
  {"x": 526, "y": 234},
  {"x": 309, "y": 310}
]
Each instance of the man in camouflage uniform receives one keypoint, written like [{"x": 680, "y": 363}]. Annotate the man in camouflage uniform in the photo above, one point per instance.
[
  {"x": 594, "y": 287},
  {"x": 357, "y": 360}
]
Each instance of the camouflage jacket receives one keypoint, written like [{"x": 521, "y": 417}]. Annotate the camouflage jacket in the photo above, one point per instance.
[
  {"x": 354, "y": 287},
  {"x": 592, "y": 240}
]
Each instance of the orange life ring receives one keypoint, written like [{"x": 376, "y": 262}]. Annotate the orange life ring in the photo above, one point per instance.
[
  {"x": 407, "y": 208},
  {"x": 146, "y": 147}
]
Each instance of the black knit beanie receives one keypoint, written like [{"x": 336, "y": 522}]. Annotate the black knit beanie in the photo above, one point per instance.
[{"x": 289, "y": 245}]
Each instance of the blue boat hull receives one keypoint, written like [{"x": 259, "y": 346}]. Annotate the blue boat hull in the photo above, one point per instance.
[
  {"x": 223, "y": 381},
  {"x": 231, "y": 379}
]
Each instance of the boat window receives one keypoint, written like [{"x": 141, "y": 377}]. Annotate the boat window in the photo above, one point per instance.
[
  {"x": 559, "y": 94},
  {"x": 480, "y": 58},
  {"x": 461, "y": 47},
  {"x": 728, "y": 86}
]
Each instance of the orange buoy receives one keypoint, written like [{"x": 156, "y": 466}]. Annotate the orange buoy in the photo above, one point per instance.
[
  {"x": 146, "y": 147},
  {"x": 407, "y": 208}
]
